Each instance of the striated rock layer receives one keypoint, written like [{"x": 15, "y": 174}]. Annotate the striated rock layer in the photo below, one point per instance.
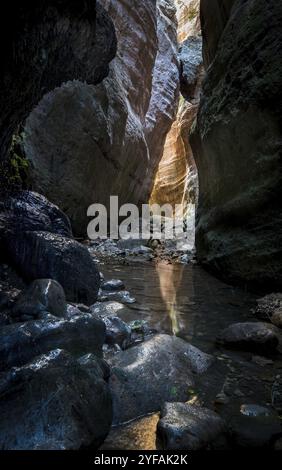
[
  {"x": 86, "y": 143},
  {"x": 237, "y": 142},
  {"x": 176, "y": 177}
]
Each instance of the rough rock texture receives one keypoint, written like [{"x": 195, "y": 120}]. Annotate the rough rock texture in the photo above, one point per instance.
[
  {"x": 53, "y": 403},
  {"x": 188, "y": 18},
  {"x": 43, "y": 44},
  {"x": 251, "y": 336},
  {"x": 183, "y": 426},
  {"x": 26, "y": 210},
  {"x": 47, "y": 255},
  {"x": 86, "y": 143},
  {"x": 237, "y": 142},
  {"x": 20, "y": 342},
  {"x": 176, "y": 178},
  {"x": 42, "y": 295},
  {"x": 158, "y": 370}
]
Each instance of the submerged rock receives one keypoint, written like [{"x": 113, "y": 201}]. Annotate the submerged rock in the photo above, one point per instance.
[
  {"x": 255, "y": 427},
  {"x": 251, "y": 336},
  {"x": 20, "y": 342},
  {"x": 158, "y": 370},
  {"x": 53, "y": 403},
  {"x": 113, "y": 285},
  {"x": 183, "y": 426},
  {"x": 42, "y": 295},
  {"x": 46, "y": 255}
]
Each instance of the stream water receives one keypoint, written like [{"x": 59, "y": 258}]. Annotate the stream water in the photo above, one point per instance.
[{"x": 186, "y": 301}]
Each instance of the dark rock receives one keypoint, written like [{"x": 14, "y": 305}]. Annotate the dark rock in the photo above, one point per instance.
[
  {"x": 45, "y": 255},
  {"x": 20, "y": 342},
  {"x": 267, "y": 305},
  {"x": 251, "y": 336},
  {"x": 237, "y": 143},
  {"x": 42, "y": 295},
  {"x": 28, "y": 211},
  {"x": 158, "y": 370},
  {"x": 191, "y": 62},
  {"x": 94, "y": 365},
  {"x": 49, "y": 42},
  {"x": 53, "y": 403},
  {"x": 183, "y": 426},
  {"x": 255, "y": 427},
  {"x": 113, "y": 285},
  {"x": 117, "y": 331}
]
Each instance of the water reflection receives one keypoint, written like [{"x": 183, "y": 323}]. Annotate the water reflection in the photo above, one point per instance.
[{"x": 170, "y": 278}]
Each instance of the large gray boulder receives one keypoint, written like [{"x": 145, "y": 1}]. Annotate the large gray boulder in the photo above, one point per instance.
[
  {"x": 54, "y": 403},
  {"x": 146, "y": 376}
]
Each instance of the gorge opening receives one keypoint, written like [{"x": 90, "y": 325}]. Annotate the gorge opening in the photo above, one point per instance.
[{"x": 133, "y": 343}]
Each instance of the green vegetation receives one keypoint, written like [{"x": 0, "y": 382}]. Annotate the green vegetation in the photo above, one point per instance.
[
  {"x": 192, "y": 14},
  {"x": 14, "y": 169}
]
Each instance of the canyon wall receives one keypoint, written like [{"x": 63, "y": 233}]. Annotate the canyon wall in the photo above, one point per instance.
[
  {"x": 85, "y": 143},
  {"x": 42, "y": 45},
  {"x": 237, "y": 142},
  {"x": 176, "y": 178}
]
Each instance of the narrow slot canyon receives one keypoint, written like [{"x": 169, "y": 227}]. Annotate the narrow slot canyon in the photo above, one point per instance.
[{"x": 141, "y": 225}]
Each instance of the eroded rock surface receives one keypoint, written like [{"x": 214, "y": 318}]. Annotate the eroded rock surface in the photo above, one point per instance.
[
  {"x": 86, "y": 143},
  {"x": 237, "y": 142},
  {"x": 42, "y": 45}
]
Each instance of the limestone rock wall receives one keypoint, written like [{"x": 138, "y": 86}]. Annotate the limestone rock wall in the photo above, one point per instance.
[
  {"x": 43, "y": 44},
  {"x": 176, "y": 177},
  {"x": 86, "y": 143},
  {"x": 237, "y": 142}
]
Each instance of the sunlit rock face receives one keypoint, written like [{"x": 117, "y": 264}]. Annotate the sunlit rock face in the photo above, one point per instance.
[
  {"x": 188, "y": 18},
  {"x": 86, "y": 143},
  {"x": 237, "y": 142},
  {"x": 176, "y": 178}
]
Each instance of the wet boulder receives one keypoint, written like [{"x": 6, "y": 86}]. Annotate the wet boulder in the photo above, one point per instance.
[
  {"x": 146, "y": 376},
  {"x": 184, "y": 426},
  {"x": 30, "y": 211},
  {"x": 113, "y": 285},
  {"x": 53, "y": 403},
  {"x": 42, "y": 295},
  {"x": 95, "y": 365},
  {"x": 250, "y": 336},
  {"x": 117, "y": 331},
  {"x": 46, "y": 255},
  {"x": 20, "y": 342}
]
